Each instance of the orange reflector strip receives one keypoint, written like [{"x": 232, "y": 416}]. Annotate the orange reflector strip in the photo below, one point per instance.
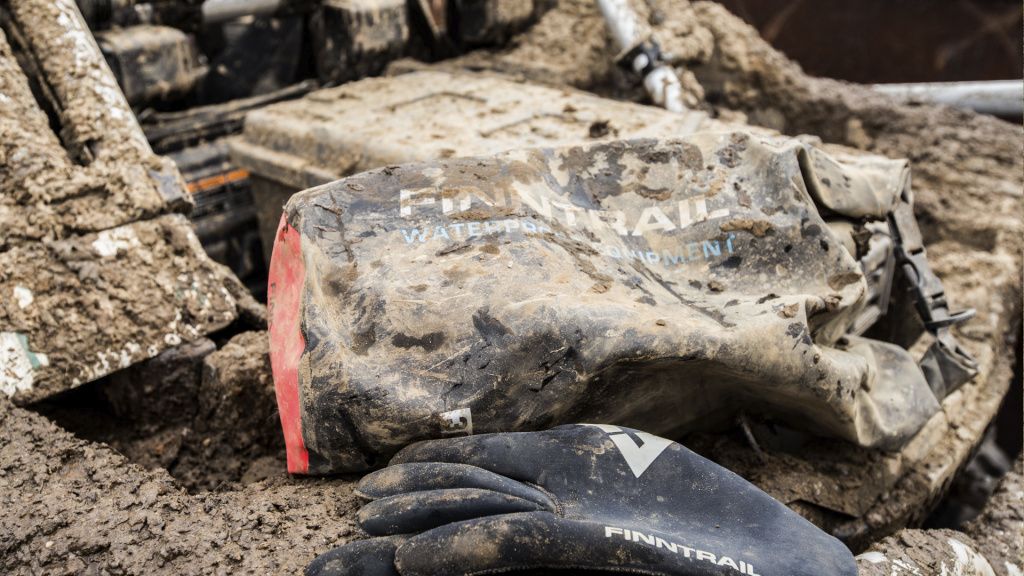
[{"x": 217, "y": 181}]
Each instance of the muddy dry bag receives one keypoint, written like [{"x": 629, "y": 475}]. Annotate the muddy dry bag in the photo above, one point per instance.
[{"x": 662, "y": 284}]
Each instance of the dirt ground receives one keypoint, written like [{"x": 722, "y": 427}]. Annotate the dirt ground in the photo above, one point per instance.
[{"x": 176, "y": 466}]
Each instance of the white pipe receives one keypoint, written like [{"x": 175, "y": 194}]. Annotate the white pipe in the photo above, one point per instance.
[
  {"x": 997, "y": 97},
  {"x": 661, "y": 81},
  {"x": 664, "y": 87},
  {"x": 218, "y": 11},
  {"x": 622, "y": 22}
]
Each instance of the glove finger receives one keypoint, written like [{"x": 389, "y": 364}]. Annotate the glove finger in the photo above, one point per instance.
[
  {"x": 421, "y": 476},
  {"x": 419, "y": 511},
  {"x": 374, "y": 557},
  {"x": 512, "y": 454},
  {"x": 535, "y": 542}
]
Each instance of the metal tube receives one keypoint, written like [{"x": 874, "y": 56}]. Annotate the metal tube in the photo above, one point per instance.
[
  {"x": 997, "y": 97},
  {"x": 218, "y": 11}
]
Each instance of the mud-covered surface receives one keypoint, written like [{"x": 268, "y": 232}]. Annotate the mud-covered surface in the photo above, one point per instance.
[
  {"x": 965, "y": 165},
  {"x": 97, "y": 171},
  {"x": 81, "y": 308},
  {"x": 741, "y": 76},
  {"x": 356, "y": 40},
  {"x": 666, "y": 325},
  {"x": 999, "y": 531},
  {"x": 375, "y": 122},
  {"x": 72, "y": 505},
  {"x": 95, "y": 274},
  {"x": 860, "y": 495},
  {"x": 570, "y": 45}
]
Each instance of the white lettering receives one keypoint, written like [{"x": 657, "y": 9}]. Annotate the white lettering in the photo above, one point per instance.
[
  {"x": 726, "y": 561},
  {"x": 650, "y": 219},
  {"x": 542, "y": 207},
  {"x": 637, "y": 537},
  {"x": 418, "y": 197},
  {"x": 570, "y": 211},
  {"x": 671, "y": 546},
  {"x": 661, "y": 222},
  {"x": 740, "y": 567}
]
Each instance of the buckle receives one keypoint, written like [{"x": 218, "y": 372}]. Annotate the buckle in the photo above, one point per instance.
[
  {"x": 642, "y": 58},
  {"x": 946, "y": 365}
]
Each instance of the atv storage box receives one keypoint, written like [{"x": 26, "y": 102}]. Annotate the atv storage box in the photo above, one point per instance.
[{"x": 375, "y": 122}]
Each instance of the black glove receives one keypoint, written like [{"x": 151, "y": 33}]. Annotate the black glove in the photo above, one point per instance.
[{"x": 575, "y": 498}]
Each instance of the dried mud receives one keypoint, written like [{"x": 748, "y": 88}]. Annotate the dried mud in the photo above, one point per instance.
[
  {"x": 208, "y": 416},
  {"x": 78, "y": 506}
]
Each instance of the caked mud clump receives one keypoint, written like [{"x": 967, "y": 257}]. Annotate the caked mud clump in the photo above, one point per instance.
[
  {"x": 90, "y": 305},
  {"x": 95, "y": 273},
  {"x": 236, "y": 435},
  {"x": 207, "y": 416},
  {"x": 101, "y": 173}
]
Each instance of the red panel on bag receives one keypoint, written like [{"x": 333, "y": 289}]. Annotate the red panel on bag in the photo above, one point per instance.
[{"x": 287, "y": 343}]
